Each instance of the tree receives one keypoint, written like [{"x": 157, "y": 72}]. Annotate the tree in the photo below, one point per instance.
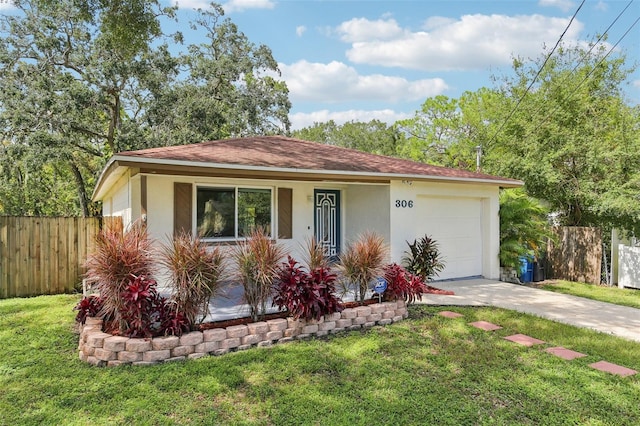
[
  {"x": 523, "y": 227},
  {"x": 375, "y": 136},
  {"x": 573, "y": 139},
  {"x": 85, "y": 79},
  {"x": 446, "y": 131}
]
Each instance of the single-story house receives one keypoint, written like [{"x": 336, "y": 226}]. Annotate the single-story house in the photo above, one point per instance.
[{"x": 220, "y": 190}]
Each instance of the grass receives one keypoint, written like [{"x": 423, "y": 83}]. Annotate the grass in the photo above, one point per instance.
[
  {"x": 615, "y": 295},
  {"x": 425, "y": 370}
]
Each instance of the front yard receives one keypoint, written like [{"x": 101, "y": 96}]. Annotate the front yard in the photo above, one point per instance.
[
  {"x": 424, "y": 370},
  {"x": 618, "y": 296}
]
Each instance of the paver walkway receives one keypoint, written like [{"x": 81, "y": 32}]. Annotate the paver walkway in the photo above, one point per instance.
[
  {"x": 561, "y": 352},
  {"x": 608, "y": 318}
]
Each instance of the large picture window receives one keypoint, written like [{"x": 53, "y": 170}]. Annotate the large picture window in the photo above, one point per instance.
[{"x": 232, "y": 212}]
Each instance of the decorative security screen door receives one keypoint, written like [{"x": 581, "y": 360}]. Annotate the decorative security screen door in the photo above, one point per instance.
[{"x": 327, "y": 221}]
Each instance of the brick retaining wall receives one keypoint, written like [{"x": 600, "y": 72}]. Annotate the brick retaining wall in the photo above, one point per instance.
[{"x": 103, "y": 349}]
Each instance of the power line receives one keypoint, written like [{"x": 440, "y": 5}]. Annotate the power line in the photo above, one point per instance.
[
  {"x": 585, "y": 55},
  {"x": 589, "y": 74},
  {"x": 537, "y": 74}
]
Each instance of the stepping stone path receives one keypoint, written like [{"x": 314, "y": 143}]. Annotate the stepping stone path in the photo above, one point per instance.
[
  {"x": 486, "y": 326},
  {"x": 559, "y": 351},
  {"x": 564, "y": 353},
  {"x": 449, "y": 314},
  {"x": 524, "y": 340},
  {"x": 613, "y": 368}
]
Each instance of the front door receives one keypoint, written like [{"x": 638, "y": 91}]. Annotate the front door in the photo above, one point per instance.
[{"x": 327, "y": 221}]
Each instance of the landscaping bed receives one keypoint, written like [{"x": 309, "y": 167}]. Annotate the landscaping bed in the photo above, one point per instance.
[{"x": 103, "y": 349}]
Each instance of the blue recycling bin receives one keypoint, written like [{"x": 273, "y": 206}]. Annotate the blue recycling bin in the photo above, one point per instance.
[{"x": 526, "y": 270}]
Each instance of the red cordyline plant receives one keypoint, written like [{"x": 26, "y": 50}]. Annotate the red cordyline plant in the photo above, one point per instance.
[
  {"x": 142, "y": 309},
  {"x": 196, "y": 272},
  {"x": 307, "y": 295},
  {"x": 402, "y": 284},
  {"x": 118, "y": 256},
  {"x": 89, "y": 306},
  {"x": 146, "y": 313}
]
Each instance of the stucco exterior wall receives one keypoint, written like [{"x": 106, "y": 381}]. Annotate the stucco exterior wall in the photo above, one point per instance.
[
  {"x": 384, "y": 209},
  {"x": 405, "y": 219},
  {"x": 118, "y": 201},
  {"x": 367, "y": 210}
]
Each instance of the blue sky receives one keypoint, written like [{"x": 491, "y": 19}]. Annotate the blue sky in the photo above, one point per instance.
[{"x": 359, "y": 60}]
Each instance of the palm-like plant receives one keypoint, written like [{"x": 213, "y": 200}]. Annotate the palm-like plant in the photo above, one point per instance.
[
  {"x": 196, "y": 272},
  {"x": 257, "y": 260},
  {"x": 117, "y": 258},
  {"x": 362, "y": 261},
  {"x": 314, "y": 256},
  {"x": 523, "y": 227},
  {"x": 424, "y": 258}
]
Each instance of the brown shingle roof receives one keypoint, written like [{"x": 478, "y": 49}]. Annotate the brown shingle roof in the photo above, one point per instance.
[{"x": 280, "y": 152}]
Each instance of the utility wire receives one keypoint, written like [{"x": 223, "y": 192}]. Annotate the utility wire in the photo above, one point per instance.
[
  {"x": 595, "y": 67},
  {"x": 585, "y": 55},
  {"x": 537, "y": 74}
]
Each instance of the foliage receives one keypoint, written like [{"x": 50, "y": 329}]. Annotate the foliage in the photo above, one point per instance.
[
  {"x": 314, "y": 256},
  {"x": 523, "y": 227},
  {"x": 446, "y": 131},
  {"x": 375, "y": 136},
  {"x": 88, "y": 307},
  {"x": 573, "y": 140},
  {"x": 427, "y": 361},
  {"x": 257, "y": 259},
  {"x": 84, "y": 80},
  {"x": 142, "y": 308},
  {"x": 174, "y": 322},
  {"x": 117, "y": 257},
  {"x": 423, "y": 258},
  {"x": 362, "y": 261},
  {"x": 307, "y": 295},
  {"x": 196, "y": 272},
  {"x": 402, "y": 285}
]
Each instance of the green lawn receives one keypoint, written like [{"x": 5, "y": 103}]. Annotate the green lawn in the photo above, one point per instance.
[
  {"x": 425, "y": 370},
  {"x": 618, "y": 296}
]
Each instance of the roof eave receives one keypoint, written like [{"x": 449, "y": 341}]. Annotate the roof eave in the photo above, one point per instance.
[{"x": 114, "y": 164}]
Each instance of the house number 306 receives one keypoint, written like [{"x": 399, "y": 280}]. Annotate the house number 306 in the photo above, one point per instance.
[{"x": 404, "y": 204}]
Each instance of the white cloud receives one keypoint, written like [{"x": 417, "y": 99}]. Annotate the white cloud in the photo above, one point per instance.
[
  {"x": 636, "y": 83},
  {"x": 229, "y": 7},
  {"x": 242, "y": 5},
  {"x": 192, "y": 4},
  {"x": 564, "y": 5},
  {"x": 6, "y": 5},
  {"x": 471, "y": 42},
  {"x": 602, "y": 6},
  {"x": 361, "y": 29},
  {"x": 300, "y": 29},
  {"x": 303, "y": 119},
  {"x": 338, "y": 82}
]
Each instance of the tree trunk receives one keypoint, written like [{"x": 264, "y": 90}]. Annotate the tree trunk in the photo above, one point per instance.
[{"x": 82, "y": 191}]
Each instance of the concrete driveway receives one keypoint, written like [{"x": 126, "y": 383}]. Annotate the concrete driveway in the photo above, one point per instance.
[{"x": 601, "y": 316}]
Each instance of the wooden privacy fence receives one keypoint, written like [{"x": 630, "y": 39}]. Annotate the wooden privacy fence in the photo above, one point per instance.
[
  {"x": 44, "y": 255},
  {"x": 576, "y": 254}
]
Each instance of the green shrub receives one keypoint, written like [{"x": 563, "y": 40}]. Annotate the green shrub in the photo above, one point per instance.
[
  {"x": 423, "y": 258},
  {"x": 523, "y": 227}
]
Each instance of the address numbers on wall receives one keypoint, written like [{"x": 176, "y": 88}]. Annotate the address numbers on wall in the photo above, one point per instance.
[{"x": 404, "y": 204}]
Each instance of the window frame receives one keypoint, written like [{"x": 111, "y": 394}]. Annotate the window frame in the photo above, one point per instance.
[{"x": 236, "y": 189}]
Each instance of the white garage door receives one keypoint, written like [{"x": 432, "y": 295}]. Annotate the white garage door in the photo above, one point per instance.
[{"x": 456, "y": 225}]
